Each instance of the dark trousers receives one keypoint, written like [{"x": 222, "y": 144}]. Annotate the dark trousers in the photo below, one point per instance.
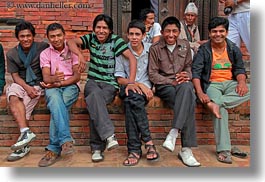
[
  {"x": 136, "y": 121},
  {"x": 97, "y": 96},
  {"x": 181, "y": 98}
]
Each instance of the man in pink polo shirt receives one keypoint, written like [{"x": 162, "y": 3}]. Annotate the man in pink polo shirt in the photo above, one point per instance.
[{"x": 60, "y": 80}]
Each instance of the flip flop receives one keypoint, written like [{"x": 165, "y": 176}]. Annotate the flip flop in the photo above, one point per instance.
[
  {"x": 236, "y": 152},
  {"x": 224, "y": 157},
  {"x": 151, "y": 149},
  {"x": 132, "y": 155}
]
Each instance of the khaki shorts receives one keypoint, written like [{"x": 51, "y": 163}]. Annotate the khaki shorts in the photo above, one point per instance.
[{"x": 17, "y": 90}]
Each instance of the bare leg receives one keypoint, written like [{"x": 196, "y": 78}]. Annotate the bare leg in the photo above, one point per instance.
[
  {"x": 18, "y": 110},
  {"x": 214, "y": 108}
]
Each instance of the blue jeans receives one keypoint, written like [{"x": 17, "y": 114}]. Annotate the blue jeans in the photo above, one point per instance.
[{"x": 59, "y": 101}]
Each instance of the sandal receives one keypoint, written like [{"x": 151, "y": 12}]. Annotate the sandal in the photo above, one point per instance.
[
  {"x": 224, "y": 156},
  {"x": 127, "y": 161},
  {"x": 151, "y": 149},
  {"x": 238, "y": 153},
  {"x": 67, "y": 148}
]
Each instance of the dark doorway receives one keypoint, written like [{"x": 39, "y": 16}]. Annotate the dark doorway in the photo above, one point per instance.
[{"x": 137, "y": 6}]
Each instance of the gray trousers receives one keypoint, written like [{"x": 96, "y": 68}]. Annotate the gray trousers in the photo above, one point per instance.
[
  {"x": 97, "y": 96},
  {"x": 224, "y": 94},
  {"x": 181, "y": 98}
]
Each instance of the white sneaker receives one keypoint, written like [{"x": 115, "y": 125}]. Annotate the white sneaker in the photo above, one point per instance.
[
  {"x": 18, "y": 154},
  {"x": 24, "y": 139},
  {"x": 186, "y": 156},
  {"x": 112, "y": 142},
  {"x": 169, "y": 143},
  {"x": 97, "y": 156}
]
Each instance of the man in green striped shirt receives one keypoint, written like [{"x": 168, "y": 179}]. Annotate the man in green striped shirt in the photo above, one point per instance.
[{"x": 102, "y": 86}]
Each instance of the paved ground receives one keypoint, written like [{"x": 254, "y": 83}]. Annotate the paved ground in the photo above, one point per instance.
[{"x": 205, "y": 154}]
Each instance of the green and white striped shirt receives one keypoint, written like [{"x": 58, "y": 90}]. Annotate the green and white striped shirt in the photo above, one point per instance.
[{"x": 102, "y": 57}]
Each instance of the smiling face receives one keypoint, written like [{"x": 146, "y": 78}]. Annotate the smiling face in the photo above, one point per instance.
[
  {"x": 57, "y": 38},
  {"x": 25, "y": 38},
  {"x": 135, "y": 36},
  {"x": 102, "y": 31},
  {"x": 170, "y": 34},
  {"x": 218, "y": 34}
]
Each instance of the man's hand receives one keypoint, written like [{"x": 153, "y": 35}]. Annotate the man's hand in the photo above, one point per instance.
[
  {"x": 229, "y": 3},
  {"x": 146, "y": 91},
  {"x": 81, "y": 63},
  {"x": 182, "y": 77},
  {"x": 241, "y": 88},
  {"x": 32, "y": 92},
  {"x": 204, "y": 98},
  {"x": 134, "y": 88},
  {"x": 50, "y": 85},
  {"x": 59, "y": 75}
]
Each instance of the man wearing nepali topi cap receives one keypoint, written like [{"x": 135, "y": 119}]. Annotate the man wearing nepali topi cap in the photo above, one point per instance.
[{"x": 189, "y": 29}]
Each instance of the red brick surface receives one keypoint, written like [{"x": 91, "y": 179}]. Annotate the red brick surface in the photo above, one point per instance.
[{"x": 159, "y": 115}]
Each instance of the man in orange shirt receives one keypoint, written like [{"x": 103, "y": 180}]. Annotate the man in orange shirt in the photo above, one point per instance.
[{"x": 219, "y": 78}]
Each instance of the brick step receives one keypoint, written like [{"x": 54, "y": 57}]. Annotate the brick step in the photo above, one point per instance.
[{"x": 159, "y": 115}]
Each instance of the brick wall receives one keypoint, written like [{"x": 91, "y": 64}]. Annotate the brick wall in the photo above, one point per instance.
[
  {"x": 76, "y": 21},
  {"x": 159, "y": 115}
]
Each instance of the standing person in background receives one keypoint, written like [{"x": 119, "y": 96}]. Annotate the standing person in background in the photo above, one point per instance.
[
  {"x": 170, "y": 71},
  {"x": 189, "y": 30},
  {"x": 137, "y": 126},
  {"x": 60, "y": 80},
  {"x": 152, "y": 28},
  {"x": 219, "y": 78},
  {"x": 23, "y": 63},
  {"x": 239, "y": 21},
  {"x": 2, "y": 70},
  {"x": 101, "y": 86},
  {"x": 155, "y": 7}
]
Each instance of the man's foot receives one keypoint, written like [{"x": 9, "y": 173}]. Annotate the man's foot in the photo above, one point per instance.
[
  {"x": 67, "y": 148},
  {"x": 152, "y": 154},
  {"x": 49, "y": 159},
  {"x": 97, "y": 156},
  {"x": 132, "y": 159},
  {"x": 214, "y": 108},
  {"x": 112, "y": 142},
  {"x": 186, "y": 156},
  {"x": 18, "y": 154},
  {"x": 224, "y": 157},
  {"x": 169, "y": 143},
  {"x": 24, "y": 139}
]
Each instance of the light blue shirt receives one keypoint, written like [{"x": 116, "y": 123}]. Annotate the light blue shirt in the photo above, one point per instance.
[{"x": 122, "y": 67}]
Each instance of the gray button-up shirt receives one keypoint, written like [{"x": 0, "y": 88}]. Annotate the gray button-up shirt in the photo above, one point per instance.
[{"x": 122, "y": 67}]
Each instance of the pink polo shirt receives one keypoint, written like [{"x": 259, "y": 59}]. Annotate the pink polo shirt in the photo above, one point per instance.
[{"x": 63, "y": 60}]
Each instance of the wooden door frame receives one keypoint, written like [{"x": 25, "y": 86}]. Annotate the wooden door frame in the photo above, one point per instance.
[{"x": 117, "y": 8}]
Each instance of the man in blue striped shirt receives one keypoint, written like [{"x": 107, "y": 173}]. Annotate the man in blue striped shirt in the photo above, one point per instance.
[{"x": 102, "y": 86}]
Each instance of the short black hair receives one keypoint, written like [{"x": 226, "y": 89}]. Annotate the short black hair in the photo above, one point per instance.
[
  {"x": 24, "y": 25},
  {"x": 105, "y": 18},
  {"x": 217, "y": 21},
  {"x": 136, "y": 24},
  {"x": 169, "y": 21},
  {"x": 54, "y": 26},
  {"x": 144, "y": 12}
]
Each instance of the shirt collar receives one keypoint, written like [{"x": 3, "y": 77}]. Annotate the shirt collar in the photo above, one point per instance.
[{"x": 146, "y": 48}]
